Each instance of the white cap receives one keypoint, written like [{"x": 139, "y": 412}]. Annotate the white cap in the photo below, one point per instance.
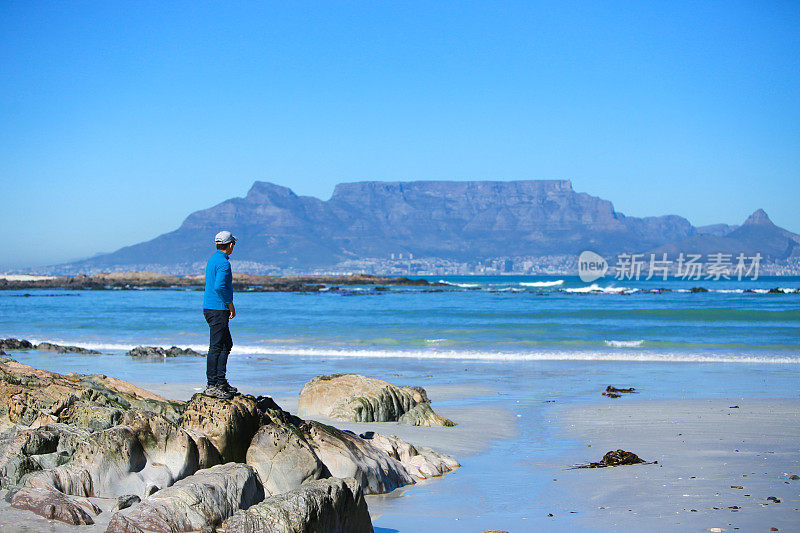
[{"x": 224, "y": 237}]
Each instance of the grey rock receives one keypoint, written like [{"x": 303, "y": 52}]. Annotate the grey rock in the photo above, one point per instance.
[
  {"x": 159, "y": 456},
  {"x": 54, "y": 505},
  {"x": 204, "y": 499},
  {"x": 15, "y": 344},
  {"x": 348, "y": 455},
  {"x": 422, "y": 462},
  {"x": 229, "y": 424},
  {"x": 23, "y": 450},
  {"x": 422, "y": 415},
  {"x": 50, "y": 347},
  {"x": 30, "y": 396},
  {"x": 145, "y": 450},
  {"x": 159, "y": 353},
  {"x": 125, "y": 501},
  {"x": 283, "y": 459},
  {"x": 356, "y": 398},
  {"x": 326, "y": 506}
]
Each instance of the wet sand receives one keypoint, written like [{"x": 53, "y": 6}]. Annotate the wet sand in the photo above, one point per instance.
[{"x": 717, "y": 464}]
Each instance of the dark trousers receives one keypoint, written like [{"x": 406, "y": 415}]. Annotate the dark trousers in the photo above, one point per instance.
[{"x": 219, "y": 345}]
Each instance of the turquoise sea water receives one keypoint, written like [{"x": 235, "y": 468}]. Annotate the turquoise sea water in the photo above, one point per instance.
[
  {"x": 488, "y": 318},
  {"x": 524, "y": 345}
]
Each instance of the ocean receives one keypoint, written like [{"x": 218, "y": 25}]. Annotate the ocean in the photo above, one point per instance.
[
  {"x": 517, "y": 347},
  {"x": 481, "y": 318}
]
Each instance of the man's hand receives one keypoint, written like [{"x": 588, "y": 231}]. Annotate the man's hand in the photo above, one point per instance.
[{"x": 232, "y": 309}]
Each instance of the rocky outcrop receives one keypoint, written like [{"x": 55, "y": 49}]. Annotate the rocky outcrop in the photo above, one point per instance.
[
  {"x": 157, "y": 352},
  {"x": 283, "y": 459},
  {"x": 422, "y": 462},
  {"x": 422, "y": 415},
  {"x": 145, "y": 452},
  {"x": 27, "y": 450},
  {"x": 32, "y": 397},
  {"x": 54, "y": 505},
  {"x": 355, "y": 398},
  {"x": 229, "y": 424},
  {"x": 204, "y": 499},
  {"x": 15, "y": 344},
  {"x": 125, "y": 501},
  {"x": 330, "y": 505},
  {"x": 50, "y": 347},
  {"x": 161, "y": 465},
  {"x": 348, "y": 455}
]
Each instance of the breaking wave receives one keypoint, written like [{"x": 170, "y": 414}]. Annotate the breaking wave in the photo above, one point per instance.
[
  {"x": 555, "y": 283},
  {"x": 462, "y": 285},
  {"x": 624, "y": 344},
  {"x": 543, "y": 355}
]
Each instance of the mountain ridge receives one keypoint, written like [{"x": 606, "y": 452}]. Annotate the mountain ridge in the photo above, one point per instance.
[{"x": 457, "y": 220}]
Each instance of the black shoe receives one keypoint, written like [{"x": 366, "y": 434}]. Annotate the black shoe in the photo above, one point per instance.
[
  {"x": 213, "y": 391},
  {"x": 227, "y": 387}
]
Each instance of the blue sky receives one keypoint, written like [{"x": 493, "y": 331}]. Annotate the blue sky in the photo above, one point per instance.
[{"x": 118, "y": 119}]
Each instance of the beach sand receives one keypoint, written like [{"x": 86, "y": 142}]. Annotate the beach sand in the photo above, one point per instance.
[{"x": 711, "y": 457}]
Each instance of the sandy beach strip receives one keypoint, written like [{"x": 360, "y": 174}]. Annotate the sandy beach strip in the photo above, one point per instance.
[{"x": 719, "y": 462}]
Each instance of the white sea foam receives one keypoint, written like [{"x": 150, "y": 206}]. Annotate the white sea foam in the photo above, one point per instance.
[
  {"x": 432, "y": 353},
  {"x": 555, "y": 283},
  {"x": 624, "y": 344},
  {"x": 462, "y": 285},
  {"x": 594, "y": 287},
  {"x": 729, "y": 291}
]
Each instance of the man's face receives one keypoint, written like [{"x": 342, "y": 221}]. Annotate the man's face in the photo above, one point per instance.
[{"x": 229, "y": 250}]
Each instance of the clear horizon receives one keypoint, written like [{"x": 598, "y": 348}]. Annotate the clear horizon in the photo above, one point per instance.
[{"x": 120, "y": 119}]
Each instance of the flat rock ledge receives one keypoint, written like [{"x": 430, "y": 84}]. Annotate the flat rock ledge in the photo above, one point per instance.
[
  {"x": 208, "y": 464},
  {"x": 356, "y": 398}
]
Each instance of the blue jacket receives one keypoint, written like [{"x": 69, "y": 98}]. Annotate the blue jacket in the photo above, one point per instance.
[{"x": 219, "y": 282}]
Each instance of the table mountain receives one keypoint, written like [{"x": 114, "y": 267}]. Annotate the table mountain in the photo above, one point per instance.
[{"x": 456, "y": 220}]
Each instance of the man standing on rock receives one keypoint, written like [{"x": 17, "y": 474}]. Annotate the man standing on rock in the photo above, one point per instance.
[{"x": 218, "y": 309}]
